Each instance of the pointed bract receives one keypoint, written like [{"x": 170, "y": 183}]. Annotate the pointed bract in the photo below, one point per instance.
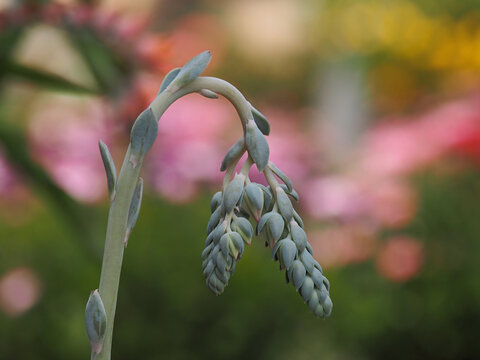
[
  {"x": 281, "y": 175},
  {"x": 260, "y": 120},
  {"x": 168, "y": 79},
  {"x": 263, "y": 221},
  {"x": 208, "y": 94},
  {"x": 257, "y": 145},
  {"x": 298, "y": 219},
  {"x": 110, "y": 169},
  {"x": 143, "y": 135},
  {"x": 134, "y": 210},
  {"x": 190, "y": 71},
  {"x": 234, "y": 153}
]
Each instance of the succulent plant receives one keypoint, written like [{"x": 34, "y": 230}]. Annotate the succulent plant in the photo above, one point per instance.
[{"x": 229, "y": 227}]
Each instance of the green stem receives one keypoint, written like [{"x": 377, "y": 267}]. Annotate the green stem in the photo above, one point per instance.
[{"x": 127, "y": 180}]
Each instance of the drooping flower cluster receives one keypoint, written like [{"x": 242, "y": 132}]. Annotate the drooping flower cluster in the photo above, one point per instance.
[{"x": 277, "y": 222}]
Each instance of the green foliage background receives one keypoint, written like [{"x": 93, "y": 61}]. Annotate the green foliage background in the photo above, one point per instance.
[{"x": 165, "y": 311}]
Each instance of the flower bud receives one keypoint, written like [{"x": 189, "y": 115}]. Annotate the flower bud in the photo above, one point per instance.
[
  {"x": 284, "y": 204},
  {"x": 254, "y": 200},
  {"x": 95, "y": 321},
  {"x": 233, "y": 192}
]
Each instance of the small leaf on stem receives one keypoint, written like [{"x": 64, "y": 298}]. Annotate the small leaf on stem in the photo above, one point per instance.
[{"x": 109, "y": 169}]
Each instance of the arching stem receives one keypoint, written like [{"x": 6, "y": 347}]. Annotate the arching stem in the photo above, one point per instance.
[{"x": 125, "y": 186}]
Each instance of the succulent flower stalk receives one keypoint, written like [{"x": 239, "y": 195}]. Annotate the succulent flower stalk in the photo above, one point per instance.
[{"x": 230, "y": 227}]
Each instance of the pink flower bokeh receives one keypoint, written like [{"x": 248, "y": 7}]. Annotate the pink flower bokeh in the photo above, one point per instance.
[
  {"x": 340, "y": 245},
  {"x": 8, "y": 178},
  {"x": 20, "y": 289},
  {"x": 64, "y": 133},
  {"x": 400, "y": 258},
  {"x": 189, "y": 147}
]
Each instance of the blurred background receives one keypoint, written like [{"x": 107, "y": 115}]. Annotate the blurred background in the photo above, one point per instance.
[{"x": 375, "y": 114}]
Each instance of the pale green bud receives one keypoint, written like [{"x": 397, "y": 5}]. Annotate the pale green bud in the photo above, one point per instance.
[
  {"x": 263, "y": 221},
  {"x": 298, "y": 274},
  {"x": 298, "y": 236},
  {"x": 276, "y": 225},
  {"x": 95, "y": 321},
  {"x": 307, "y": 288},
  {"x": 308, "y": 261},
  {"x": 254, "y": 200},
  {"x": 287, "y": 254},
  {"x": 214, "y": 220},
  {"x": 244, "y": 228},
  {"x": 313, "y": 301},
  {"x": 284, "y": 204},
  {"x": 233, "y": 192},
  {"x": 216, "y": 201}
]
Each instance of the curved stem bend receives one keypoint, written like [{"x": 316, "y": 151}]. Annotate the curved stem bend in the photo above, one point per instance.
[{"x": 125, "y": 187}]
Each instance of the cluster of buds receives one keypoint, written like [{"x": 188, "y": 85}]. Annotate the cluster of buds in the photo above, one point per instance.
[
  {"x": 229, "y": 228},
  {"x": 277, "y": 221}
]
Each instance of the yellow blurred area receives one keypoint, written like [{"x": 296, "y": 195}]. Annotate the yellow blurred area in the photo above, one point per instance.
[{"x": 434, "y": 42}]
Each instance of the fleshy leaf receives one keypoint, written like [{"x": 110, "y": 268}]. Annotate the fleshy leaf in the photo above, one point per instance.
[
  {"x": 143, "y": 135},
  {"x": 134, "y": 209},
  {"x": 168, "y": 79},
  {"x": 190, "y": 71},
  {"x": 281, "y": 175},
  {"x": 110, "y": 169},
  {"x": 260, "y": 120}
]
